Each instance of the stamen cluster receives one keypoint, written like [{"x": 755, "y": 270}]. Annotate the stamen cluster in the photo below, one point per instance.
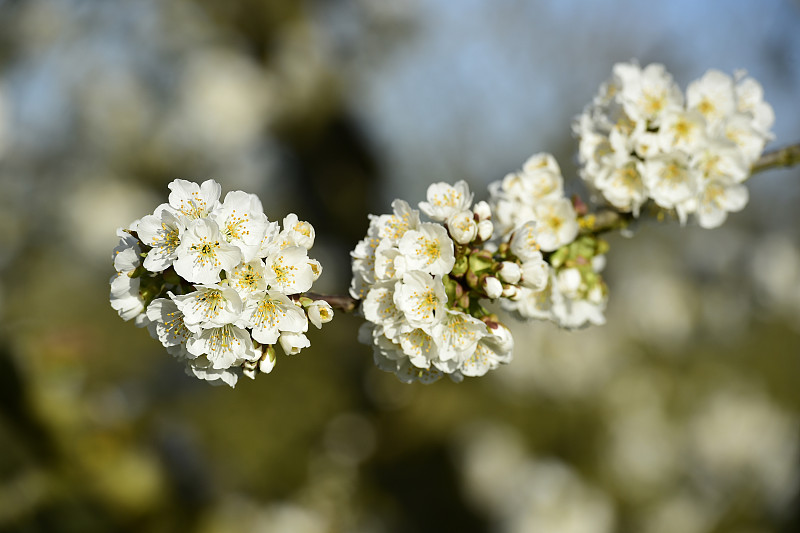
[
  {"x": 642, "y": 139},
  {"x": 218, "y": 283}
]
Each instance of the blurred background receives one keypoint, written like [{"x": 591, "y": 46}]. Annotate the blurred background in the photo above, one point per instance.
[{"x": 680, "y": 415}]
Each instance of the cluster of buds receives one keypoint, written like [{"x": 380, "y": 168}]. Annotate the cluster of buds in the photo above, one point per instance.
[
  {"x": 217, "y": 283},
  {"x": 641, "y": 139}
]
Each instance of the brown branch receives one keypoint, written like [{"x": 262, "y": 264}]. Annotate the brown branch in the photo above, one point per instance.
[
  {"x": 342, "y": 302},
  {"x": 784, "y": 157}
]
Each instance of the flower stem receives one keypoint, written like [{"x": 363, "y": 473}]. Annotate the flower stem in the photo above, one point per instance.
[{"x": 785, "y": 157}]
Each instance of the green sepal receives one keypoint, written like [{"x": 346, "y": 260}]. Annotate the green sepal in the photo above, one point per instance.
[
  {"x": 460, "y": 267},
  {"x": 481, "y": 262}
]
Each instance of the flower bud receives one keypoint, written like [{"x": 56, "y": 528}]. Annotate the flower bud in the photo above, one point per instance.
[
  {"x": 569, "y": 281},
  {"x": 511, "y": 292},
  {"x": 500, "y": 337},
  {"x": 482, "y": 210},
  {"x": 534, "y": 274},
  {"x": 492, "y": 287},
  {"x": 292, "y": 343},
  {"x": 462, "y": 227},
  {"x": 485, "y": 230},
  {"x": 316, "y": 269},
  {"x": 509, "y": 272},
  {"x": 319, "y": 312}
]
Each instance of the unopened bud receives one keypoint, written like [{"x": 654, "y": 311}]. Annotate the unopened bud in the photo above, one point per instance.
[
  {"x": 485, "y": 230},
  {"x": 482, "y": 210},
  {"x": 492, "y": 287},
  {"x": 462, "y": 226},
  {"x": 509, "y": 272},
  {"x": 511, "y": 292}
]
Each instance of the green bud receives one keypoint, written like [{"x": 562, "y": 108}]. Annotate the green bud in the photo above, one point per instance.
[
  {"x": 481, "y": 262},
  {"x": 472, "y": 279},
  {"x": 464, "y": 302},
  {"x": 559, "y": 256},
  {"x": 461, "y": 266},
  {"x": 305, "y": 301},
  {"x": 451, "y": 289}
]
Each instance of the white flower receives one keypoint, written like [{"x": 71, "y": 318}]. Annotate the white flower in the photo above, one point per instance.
[
  {"x": 292, "y": 342},
  {"x": 421, "y": 298},
  {"x": 269, "y": 313},
  {"x": 379, "y": 308},
  {"x": 457, "y": 334},
  {"x": 720, "y": 160},
  {"x": 713, "y": 96},
  {"x": 524, "y": 242},
  {"x": 296, "y": 232},
  {"x": 462, "y": 226},
  {"x": 202, "y": 368},
  {"x": 485, "y": 230},
  {"x": 535, "y": 272},
  {"x": 224, "y": 346},
  {"x": 557, "y": 224},
  {"x": 319, "y": 312},
  {"x": 209, "y": 306},
  {"x": 288, "y": 270},
  {"x": 393, "y": 227},
  {"x": 445, "y": 199},
  {"x": 203, "y": 253},
  {"x": 429, "y": 249},
  {"x": 168, "y": 327},
  {"x": 419, "y": 347},
  {"x": 194, "y": 201},
  {"x": 750, "y": 99},
  {"x": 738, "y": 128},
  {"x": 684, "y": 130},
  {"x": 482, "y": 210},
  {"x": 509, "y": 272},
  {"x": 124, "y": 294},
  {"x": 247, "y": 278},
  {"x": 162, "y": 232},
  {"x": 242, "y": 222},
  {"x": 491, "y": 351},
  {"x": 717, "y": 200},
  {"x": 622, "y": 185},
  {"x": 670, "y": 179},
  {"x": 649, "y": 93},
  {"x": 492, "y": 287}
]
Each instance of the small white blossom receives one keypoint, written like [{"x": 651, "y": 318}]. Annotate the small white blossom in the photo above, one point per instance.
[
  {"x": 319, "y": 312},
  {"x": 462, "y": 226},
  {"x": 203, "y": 253},
  {"x": 445, "y": 199},
  {"x": 242, "y": 222},
  {"x": 193, "y": 201},
  {"x": 288, "y": 270},
  {"x": 292, "y": 342},
  {"x": 162, "y": 232},
  {"x": 430, "y": 249}
]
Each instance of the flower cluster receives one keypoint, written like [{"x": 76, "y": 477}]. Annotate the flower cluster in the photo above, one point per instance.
[
  {"x": 642, "y": 139},
  {"x": 532, "y": 215},
  {"x": 421, "y": 286},
  {"x": 218, "y": 283}
]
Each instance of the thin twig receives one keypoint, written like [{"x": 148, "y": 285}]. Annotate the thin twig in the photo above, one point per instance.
[
  {"x": 341, "y": 302},
  {"x": 785, "y": 157}
]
